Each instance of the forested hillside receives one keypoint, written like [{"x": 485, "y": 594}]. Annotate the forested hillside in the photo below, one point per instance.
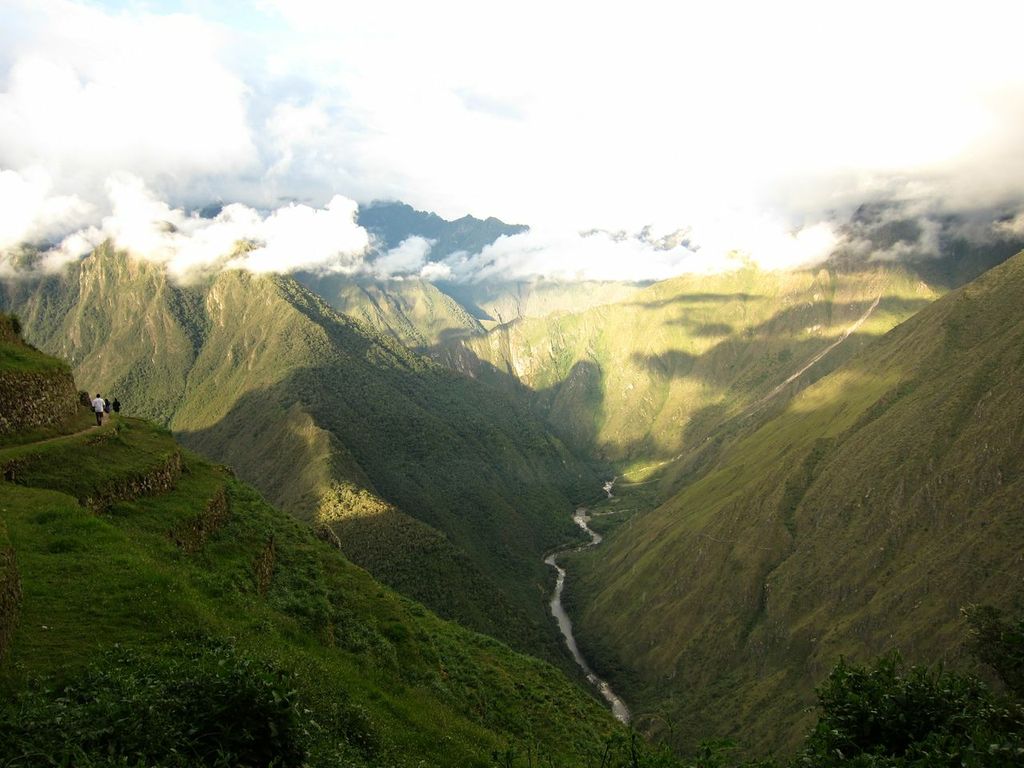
[{"x": 862, "y": 518}]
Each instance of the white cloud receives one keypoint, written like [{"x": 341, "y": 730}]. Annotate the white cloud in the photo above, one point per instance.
[
  {"x": 30, "y": 213},
  {"x": 88, "y": 93},
  {"x": 298, "y": 237},
  {"x": 408, "y": 258},
  {"x": 649, "y": 255},
  {"x": 291, "y": 238},
  {"x": 611, "y": 115},
  {"x": 751, "y": 123}
]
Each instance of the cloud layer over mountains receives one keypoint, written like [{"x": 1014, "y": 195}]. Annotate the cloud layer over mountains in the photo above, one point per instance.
[{"x": 752, "y": 128}]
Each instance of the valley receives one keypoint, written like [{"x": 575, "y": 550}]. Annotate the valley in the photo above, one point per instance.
[
  {"x": 469, "y": 385},
  {"x": 747, "y": 419},
  {"x": 618, "y": 706}
]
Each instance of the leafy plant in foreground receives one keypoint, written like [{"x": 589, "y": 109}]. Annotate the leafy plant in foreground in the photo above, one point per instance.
[
  {"x": 882, "y": 716},
  {"x": 205, "y": 705}
]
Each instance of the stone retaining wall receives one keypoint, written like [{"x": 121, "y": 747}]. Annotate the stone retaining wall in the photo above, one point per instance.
[
  {"x": 264, "y": 566},
  {"x": 192, "y": 534},
  {"x": 159, "y": 480},
  {"x": 36, "y": 400}
]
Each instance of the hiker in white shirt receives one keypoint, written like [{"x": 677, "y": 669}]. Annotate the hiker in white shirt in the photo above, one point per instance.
[{"x": 97, "y": 406}]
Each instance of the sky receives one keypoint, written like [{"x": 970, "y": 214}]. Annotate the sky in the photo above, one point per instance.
[{"x": 751, "y": 127}]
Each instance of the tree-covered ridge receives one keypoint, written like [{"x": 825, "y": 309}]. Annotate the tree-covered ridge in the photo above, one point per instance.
[{"x": 860, "y": 518}]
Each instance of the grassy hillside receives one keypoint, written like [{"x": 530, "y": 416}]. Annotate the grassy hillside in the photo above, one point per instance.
[
  {"x": 640, "y": 381},
  {"x": 861, "y": 518},
  {"x": 38, "y": 391},
  {"x": 415, "y": 312},
  {"x": 503, "y": 302},
  {"x": 312, "y": 407},
  {"x": 140, "y": 567}
]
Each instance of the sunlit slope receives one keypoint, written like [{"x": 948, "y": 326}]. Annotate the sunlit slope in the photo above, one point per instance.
[
  {"x": 884, "y": 498},
  {"x": 312, "y": 407},
  {"x": 415, "y": 312},
  {"x": 502, "y": 301},
  {"x": 639, "y": 381},
  {"x": 119, "y": 548},
  {"x": 118, "y": 322}
]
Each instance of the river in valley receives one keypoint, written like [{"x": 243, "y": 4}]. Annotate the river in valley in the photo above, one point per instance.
[{"x": 618, "y": 706}]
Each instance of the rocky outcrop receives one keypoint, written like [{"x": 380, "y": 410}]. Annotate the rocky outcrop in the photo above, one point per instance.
[
  {"x": 192, "y": 534},
  {"x": 10, "y": 592},
  {"x": 36, "y": 399}
]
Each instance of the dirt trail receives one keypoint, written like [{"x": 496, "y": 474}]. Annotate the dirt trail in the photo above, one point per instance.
[{"x": 90, "y": 428}]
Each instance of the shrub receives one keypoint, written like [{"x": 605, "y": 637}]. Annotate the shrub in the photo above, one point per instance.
[
  {"x": 998, "y": 643},
  {"x": 207, "y": 705},
  {"x": 880, "y": 716}
]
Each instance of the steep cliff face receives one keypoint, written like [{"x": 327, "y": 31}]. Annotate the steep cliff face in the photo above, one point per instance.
[{"x": 35, "y": 390}]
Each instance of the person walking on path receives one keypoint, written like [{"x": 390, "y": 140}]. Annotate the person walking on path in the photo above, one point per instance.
[
  {"x": 97, "y": 406},
  {"x": 116, "y": 405}
]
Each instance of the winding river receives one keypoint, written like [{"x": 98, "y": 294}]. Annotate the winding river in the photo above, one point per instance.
[{"x": 618, "y": 706}]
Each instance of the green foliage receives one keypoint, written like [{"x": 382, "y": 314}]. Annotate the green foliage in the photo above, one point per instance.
[
  {"x": 883, "y": 716},
  {"x": 351, "y": 673},
  {"x": 998, "y": 643},
  {"x": 196, "y": 702}
]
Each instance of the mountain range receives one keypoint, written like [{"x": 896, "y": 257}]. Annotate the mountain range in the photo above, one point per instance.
[
  {"x": 458, "y": 487},
  {"x": 807, "y": 464}
]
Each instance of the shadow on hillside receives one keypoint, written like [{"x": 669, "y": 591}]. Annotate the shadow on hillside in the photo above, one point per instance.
[
  {"x": 473, "y": 462},
  {"x": 742, "y": 368},
  {"x": 452, "y": 335},
  {"x": 778, "y": 344},
  {"x": 691, "y": 298}
]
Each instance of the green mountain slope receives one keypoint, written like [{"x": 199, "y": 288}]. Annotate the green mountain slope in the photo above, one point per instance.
[
  {"x": 413, "y": 311},
  {"x": 640, "y": 381},
  {"x": 859, "y": 519},
  {"x": 331, "y": 421},
  {"x": 503, "y": 301},
  {"x": 132, "y": 572}
]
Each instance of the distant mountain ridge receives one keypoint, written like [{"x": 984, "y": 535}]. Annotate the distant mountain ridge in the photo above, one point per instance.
[{"x": 391, "y": 222}]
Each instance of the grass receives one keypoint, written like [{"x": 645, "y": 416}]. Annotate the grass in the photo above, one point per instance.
[
  {"x": 858, "y": 518},
  {"x": 18, "y": 357},
  {"x": 387, "y": 682},
  {"x": 83, "y": 420}
]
